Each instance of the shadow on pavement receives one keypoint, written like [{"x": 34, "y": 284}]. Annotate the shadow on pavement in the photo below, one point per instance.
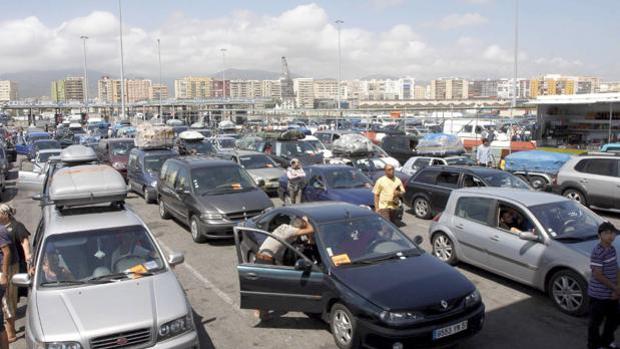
[
  {"x": 294, "y": 322},
  {"x": 203, "y": 336}
]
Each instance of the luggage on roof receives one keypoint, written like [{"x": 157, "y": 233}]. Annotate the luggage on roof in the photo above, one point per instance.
[
  {"x": 86, "y": 185},
  {"x": 153, "y": 137},
  {"x": 191, "y": 136},
  {"x": 77, "y": 153},
  {"x": 536, "y": 161},
  {"x": 440, "y": 144},
  {"x": 352, "y": 144}
]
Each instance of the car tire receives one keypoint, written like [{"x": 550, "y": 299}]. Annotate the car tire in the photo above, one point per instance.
[
  {"x": 148, "y": 198},
  {"x": 163, "y": 211},
  {"x": 538, "y": 183},
  {"x": 344, "y": 327},
  {"x": 576, "y": 195},
  {"x": 421, "y": 208},
  {"x": 569, "y": 292},
  {"x": 194, "y": 228},
  {"x": 443, "y": 248}
]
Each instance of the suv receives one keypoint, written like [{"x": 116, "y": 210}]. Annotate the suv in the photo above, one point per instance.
[
  {"x": 591, "y": 180},
  {"x": 428, "y": 191},
  {"x": 209, "y": 195},
  {"x": 260, "y": 166},
  {"x": 97, "y": 266}
]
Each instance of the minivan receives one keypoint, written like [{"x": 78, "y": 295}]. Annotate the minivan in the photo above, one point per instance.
[
  {"x": 115, "y": 152},
  {"x": 143, "y": 170}
]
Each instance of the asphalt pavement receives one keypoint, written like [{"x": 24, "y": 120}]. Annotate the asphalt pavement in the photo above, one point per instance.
[{"x": 517, "y": 316}]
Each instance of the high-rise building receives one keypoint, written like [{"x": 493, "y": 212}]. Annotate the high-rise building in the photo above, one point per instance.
[
  {"x": 304, "y": 92},
  {"x": 351, "y": 90},
  {"x": 137, "y": 90},
  {"x": 106, "y": 90},
  {"x": 271, "y": 89},
  {"x": 555, "y": 84},
  {"x": 193, "y": 87},
  {"x": 158, "y": 90},
  {"x": 483, "y": 88},
  {"x": 609, "y": 86},
  {"x": 505, "y": 88},
  {"x": 325, "y": 89},
  {"x": 245, "y": 89},
  {"x": 447, "y": 89},
  {"x": 421, "y": 92},
  {"x": 67, "y": 90},
  {"x": 8, "y": 90}
]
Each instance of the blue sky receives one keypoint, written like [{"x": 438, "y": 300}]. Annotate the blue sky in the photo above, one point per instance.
[{"x": 469, "y": 38}]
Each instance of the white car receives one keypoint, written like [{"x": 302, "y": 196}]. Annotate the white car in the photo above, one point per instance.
[{"x": 327, "y": 154}]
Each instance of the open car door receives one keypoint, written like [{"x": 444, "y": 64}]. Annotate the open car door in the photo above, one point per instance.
[
  {"x": 30, "y": 180},
  {"x": 279, "y": 287}
]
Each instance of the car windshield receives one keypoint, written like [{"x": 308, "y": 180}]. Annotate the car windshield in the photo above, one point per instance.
[
  {"x": 43, "y": 157},
  {"x": 153, "y": 163},
  {"x": 567, "y": 220},
  {"x": 252, "y": 162},
  {"x": 121, "y": 148},
  {"x": 37, "y": 137},
  {"x": 363, "y": 239},
  {"x": 347, "y": 178},
  {"x": 505, "y": 180},
  {"x": 200, "y": 147},
  {"x": 83, "y": 257},
  {"x": 370, "y": 164},
  {"x": 226, "y": 143},
  {"x": 297, "y": 148},
  {"x": 221, "y": 180},
  {"x": 48, "y": 144}
]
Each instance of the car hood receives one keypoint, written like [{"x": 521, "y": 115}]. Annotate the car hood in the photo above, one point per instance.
[
  {"x": 409, "y": 284},
  {"x": 252, "y": 200},
  {"x": 92, "y": 311},
  {"x": 266, "y": 173},
  {"x": 585, "y": 247},
  {"x": 356, "y": 196}
]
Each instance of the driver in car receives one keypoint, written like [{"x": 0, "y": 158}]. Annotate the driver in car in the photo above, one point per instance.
[
  {"x": 513, "y": 221},
  {"x": 128, "y": 249}
]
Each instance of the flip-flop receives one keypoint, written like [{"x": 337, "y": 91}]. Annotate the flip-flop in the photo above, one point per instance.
[{"x": 13, "y": 340}]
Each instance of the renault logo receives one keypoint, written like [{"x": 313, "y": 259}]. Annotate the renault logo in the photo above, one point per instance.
[
  {"x": 444, "y": 304},
  {"x": 122, "y": 341}
]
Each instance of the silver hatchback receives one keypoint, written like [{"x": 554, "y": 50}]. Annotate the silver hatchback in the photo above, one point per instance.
[{"x": 538, "y": 239}]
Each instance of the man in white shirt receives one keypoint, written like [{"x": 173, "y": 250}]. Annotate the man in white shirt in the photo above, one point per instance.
[{"x": 483, "y": 154}]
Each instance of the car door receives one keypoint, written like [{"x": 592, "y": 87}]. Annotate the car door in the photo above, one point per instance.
[
  {"x": 279, "y": 287},
  {"x": 600, "y": 179},
  {"x": 316, "y": 190},
  {"x": 20, "y": 146},
  {"x": 445, "y": 182},
  {"x": 472, "y": 222},
  {"x": 511, "y": 256},
  {"x": 133, "y": 173},
  {"x": 182, "y": 193},
  {"x": 168, "y": 179}
]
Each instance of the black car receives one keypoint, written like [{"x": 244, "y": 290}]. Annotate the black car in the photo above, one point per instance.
[
  {"x": 427, "y": 191},
  {"x": 372, "y": 284},
  {"x": 400, "y": 147},
  {"x": 209, "y": 195}
]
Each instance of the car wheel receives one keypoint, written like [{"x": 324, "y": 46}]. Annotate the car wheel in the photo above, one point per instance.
[
  {"x": 443, "y": 248},
  {"x": 163, "y": 211},
  {"x": 568, "y": 291},
  {"x": 538, "y": 182},
  {"x": 194, "y": 228},
  {"x": 344, "y": 327},
  {"x": 575, "y": 195},
  {"x": 148, "y": 197},
  {"x": 421, "y": 208}
]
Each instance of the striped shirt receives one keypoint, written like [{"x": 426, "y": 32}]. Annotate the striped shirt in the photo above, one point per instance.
[{"x": 604, "y": 259}]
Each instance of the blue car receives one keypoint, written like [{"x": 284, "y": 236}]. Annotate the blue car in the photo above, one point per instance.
[
  {"x": 143, "y": 170},
  {"x": 41, "y": 144},
  {"x": 24, "y": 145}
]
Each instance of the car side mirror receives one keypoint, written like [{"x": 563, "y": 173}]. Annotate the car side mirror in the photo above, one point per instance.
[
  {"x": 302, "y": 264},
  {"x": 21, "y": 280},
  {"x": 418, "y": 240},
  {"x": 528, "y": 236},
  {"x": 176, "y": 258},
  {"x": 37, "y": 197},
  {"x": 318, "y": 185}
]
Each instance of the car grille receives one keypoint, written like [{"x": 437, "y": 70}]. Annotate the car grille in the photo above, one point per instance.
[
  {"x": 438, "y": 309},
  {"x": 241, "y": 215},
  {"x": 136, "y": 338}
]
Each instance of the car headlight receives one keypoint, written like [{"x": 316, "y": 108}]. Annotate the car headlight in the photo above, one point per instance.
[
  {"x": 211, "y": 216},
  {"x": 63, "y": 345},
  {"x": 366, "y": 207},
  {"x": 119, "y": 165},
  {"x": 473, "y": 299},
  {"x": 401, "y": 317},
  {"x": 154, "y": 184},
  {"x": 175, "y": 327}
]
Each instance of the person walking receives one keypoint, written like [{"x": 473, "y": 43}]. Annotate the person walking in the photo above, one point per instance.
[
  {"x": 388, "y": 190},
  {"x": 483, "y": 153},
  {"x": 20, "y": 261},
  {"x": 6, "y": 254},
  {"x": 296, "y": 178},
  {"x": 603, "y": 290}
]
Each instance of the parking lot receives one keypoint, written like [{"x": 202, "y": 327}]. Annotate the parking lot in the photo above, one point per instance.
[{"x": 517, "y": 316}]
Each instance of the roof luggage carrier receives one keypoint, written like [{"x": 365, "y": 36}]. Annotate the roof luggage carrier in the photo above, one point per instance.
[
  {"x": 150, "y": 136},
  {"x": 77, "y": 154},
  {"x": 289, "y": 135},
  {"x": 86, "y": 185}
]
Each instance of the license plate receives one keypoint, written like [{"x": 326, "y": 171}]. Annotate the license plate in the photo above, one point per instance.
[{"x": 450, "y": 330}]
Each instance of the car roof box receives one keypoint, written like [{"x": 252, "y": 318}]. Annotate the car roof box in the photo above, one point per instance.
[
  {"x": 154, "y": 137},
  {"x": 191, "y": 136},
  {"x": 87, "y": 185},
  {"x": 77, "y": 153}
]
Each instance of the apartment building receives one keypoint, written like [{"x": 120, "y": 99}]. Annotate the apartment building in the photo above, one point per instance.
[{"x": 8, "y": 90}]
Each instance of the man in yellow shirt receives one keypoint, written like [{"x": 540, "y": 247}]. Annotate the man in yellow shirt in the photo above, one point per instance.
[{"x": 388, "y": 191}]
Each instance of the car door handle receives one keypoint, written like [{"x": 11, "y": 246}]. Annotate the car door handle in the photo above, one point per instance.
[
  {"x": 495, "y": 237},
  {"x": 459, "y": 226},
  {"x": 251, "y": 276}
]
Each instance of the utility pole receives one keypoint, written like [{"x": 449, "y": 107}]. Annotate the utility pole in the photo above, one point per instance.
[
  {"x": 338, "y": 24},
  {"x": 120, "y": 30},
  {"x": 516, "y": 53},
  {"x": 85, "y": 82},
  {"x": 223, "y": 50},
  {"x": 161, "y": 110}
]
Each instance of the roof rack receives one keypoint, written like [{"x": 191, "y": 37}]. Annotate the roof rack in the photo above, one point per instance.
[
  {"x": 87, "y": 185},
  {"x": 77, "y": 153}
]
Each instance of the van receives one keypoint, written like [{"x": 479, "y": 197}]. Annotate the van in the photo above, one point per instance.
[{"x": 143, "y": 170}]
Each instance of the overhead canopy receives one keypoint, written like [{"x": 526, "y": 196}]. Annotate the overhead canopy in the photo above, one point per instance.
[{"x": 589, "y": 98}]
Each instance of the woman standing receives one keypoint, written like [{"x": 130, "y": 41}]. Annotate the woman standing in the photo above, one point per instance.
[{"x": 21, "y": 262}]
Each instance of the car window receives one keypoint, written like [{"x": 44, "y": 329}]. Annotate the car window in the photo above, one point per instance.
[
  {"x": 171, "y": 174},
  {"x": 475, "y": 209},
  {"x": 438, "y": 162},
  {"x": 316, "y": 181},
  {"x": 470, "y": 181},
  {"x": 422, "y": 162},
  {"x": 448, "y": 179},
  {"x": 287, "y": 256},
  {"x": 602, "y": 167},
  {"x": 426, "y": 177},
  {"x": 182, "y": 181},
  {"x": 133, "y": 161},
  {"x": 513, "y": 220}
]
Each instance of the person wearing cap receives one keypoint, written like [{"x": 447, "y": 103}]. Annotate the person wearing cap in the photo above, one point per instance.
[
  {"x": 296, "y": 179},
  {"x": 483, "y": 153},
  {"x": 7, "y": 254},
  {"x": 603, "y": 290}
]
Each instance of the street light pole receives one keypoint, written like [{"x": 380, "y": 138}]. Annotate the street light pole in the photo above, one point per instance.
[
  {"x": 120, "y": 30},
  {"x": 84, "y": 38},
  {"x": 223, "y": 50},
  {"x": 338, "y": 24},
  {"x": 161, "y": 110}
]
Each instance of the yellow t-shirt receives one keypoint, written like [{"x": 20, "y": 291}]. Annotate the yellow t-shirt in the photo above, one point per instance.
[{"x": 385, "y": 188}]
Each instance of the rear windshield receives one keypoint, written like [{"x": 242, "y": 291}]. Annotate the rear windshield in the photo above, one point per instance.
[{"x": 121, "y": 148}]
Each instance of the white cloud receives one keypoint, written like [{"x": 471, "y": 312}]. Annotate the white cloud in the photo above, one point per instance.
[
  {"x": 457, "y": 20},
  {"x": 382, "y": 4}
]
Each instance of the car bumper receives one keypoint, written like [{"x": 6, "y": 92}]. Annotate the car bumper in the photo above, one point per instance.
[
  {"x": 186, "y": 341},
  {"x": 377, "y": 336},
  {"x": 217, "y": 229}
]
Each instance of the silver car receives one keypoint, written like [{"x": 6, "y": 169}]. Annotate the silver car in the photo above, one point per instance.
[
  {"x": 41, "y": 158},
  {"x": 261, "y": 167},
  {"x": 593, "y": 180},
  {"x": 535, "y": 238}
]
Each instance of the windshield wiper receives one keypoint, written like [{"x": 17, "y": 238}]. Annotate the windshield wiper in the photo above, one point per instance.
[
  {"x": 576, "y": 238},
  {"x": 117, "y": 276},
  {"x": 387, "y": 257}
]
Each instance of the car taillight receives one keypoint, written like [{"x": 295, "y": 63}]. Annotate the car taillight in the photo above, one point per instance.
[{"x": 436, "y": 218}]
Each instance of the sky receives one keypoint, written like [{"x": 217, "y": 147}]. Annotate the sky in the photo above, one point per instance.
[{"x": 418, "y": 38}]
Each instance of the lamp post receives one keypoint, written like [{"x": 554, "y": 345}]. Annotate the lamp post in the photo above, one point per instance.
[
  {"x": 161, "y": 109},
  {"x": 339, "y": 22},
  {"x": 223, "y": 50},
  {"x": 120, "y": 30},
  {"x": 84, "y": 38}
]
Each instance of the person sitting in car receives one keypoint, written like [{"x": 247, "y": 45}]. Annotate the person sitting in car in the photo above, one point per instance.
[
  {"x": 513, "y": 221},
  {"x": 52, "y": 269},
  {"x": 129, "y": 252}
]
